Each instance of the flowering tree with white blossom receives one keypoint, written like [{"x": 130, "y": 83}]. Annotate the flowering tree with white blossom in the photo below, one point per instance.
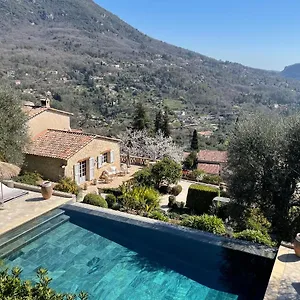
[{"x": 140, "y": 143}]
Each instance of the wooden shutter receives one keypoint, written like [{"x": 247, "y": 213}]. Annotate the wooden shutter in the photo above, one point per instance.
[
  {"x": 91, "y": 168},
  {"x": 111, "y": 157},
  {"x": 99, "y": 161},
  {"x": 77, "y": 173}
]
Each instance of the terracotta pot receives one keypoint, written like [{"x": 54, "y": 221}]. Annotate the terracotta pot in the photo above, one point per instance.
[
  {"x": 297, "y": 244},
  {"x": 47, "y": 189}
]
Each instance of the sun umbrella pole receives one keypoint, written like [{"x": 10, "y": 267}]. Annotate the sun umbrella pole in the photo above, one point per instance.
[{"x": 2, "y": 196}]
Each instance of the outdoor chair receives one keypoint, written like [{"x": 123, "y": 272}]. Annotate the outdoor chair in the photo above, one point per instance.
[
  {"x": 106, "y": 177},
  {"x": 123, "y": 170}
]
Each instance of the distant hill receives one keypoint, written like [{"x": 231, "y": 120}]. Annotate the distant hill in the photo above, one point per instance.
[
  {"x": 97, "y": 66},
  {"x": 292, "y": 71}
]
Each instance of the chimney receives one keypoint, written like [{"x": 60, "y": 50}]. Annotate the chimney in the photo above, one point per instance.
[{"x": 45, "y": 102}]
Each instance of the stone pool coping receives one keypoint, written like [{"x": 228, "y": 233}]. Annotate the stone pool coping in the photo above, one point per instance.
[
  {"x": 284, "y": 279},
  {"x": 244, "y": 246}
]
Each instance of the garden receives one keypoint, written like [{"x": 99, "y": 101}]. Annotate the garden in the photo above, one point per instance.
[{"x": 141, "y": 196}]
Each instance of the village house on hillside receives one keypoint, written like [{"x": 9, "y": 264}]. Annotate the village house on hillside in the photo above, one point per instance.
[
  {"x": 56, "y": 150},
  {"x": 211, "y": 162}
]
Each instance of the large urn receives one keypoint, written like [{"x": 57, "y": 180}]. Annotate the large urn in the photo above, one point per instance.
[
  {"x": 297, "y": 244},
  {"x": 47, "y": 189}
]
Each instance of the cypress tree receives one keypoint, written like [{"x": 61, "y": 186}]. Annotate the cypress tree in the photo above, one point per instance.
[
  {"x": 166, "y": 127},
  {"x": 158, "y": 121},
  {"x": 194, "y": 142},
  {"x": 140, "y": 119}
]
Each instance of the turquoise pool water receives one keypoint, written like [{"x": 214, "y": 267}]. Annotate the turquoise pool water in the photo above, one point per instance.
[{"x": 113, "y": 262}]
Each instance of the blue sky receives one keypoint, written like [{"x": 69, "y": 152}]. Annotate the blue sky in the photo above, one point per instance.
[{"x": 258, "y": 33}]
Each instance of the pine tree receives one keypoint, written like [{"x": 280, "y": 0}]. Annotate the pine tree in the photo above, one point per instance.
[
  {"x": 140, "y": 118},
  {"x": 194, "y": 142},
  {"x": 166, "y": 127},
  {"x": 158, "y": 121}
]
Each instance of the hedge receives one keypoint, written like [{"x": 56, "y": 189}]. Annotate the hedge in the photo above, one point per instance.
[{"x": 200, "y": 197}]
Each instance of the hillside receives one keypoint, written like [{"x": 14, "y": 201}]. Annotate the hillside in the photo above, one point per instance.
[
  {"x": 97, "y": 66},
  {"x": 292, "y": 71}
]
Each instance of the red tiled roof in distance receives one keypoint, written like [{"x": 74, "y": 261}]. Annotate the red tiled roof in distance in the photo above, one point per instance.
[
  {"x": 209, "y": 168},
  {"x": 58, "y": 143},
  {"x": 212, "y": 156},
  {"x": 205, "y": 133}
]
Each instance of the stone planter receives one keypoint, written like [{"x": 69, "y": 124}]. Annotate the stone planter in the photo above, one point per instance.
[
  {"x": 47, "y": 189},
  {"x": 297, "y": 244}
]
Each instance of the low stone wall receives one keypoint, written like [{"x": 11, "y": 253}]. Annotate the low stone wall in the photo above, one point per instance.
[{"x": 37, "y": 189}]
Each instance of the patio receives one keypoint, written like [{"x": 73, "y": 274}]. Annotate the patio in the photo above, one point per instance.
[
  {"x": 116, "y": 182},
  {"x": 20, "y": 210}
]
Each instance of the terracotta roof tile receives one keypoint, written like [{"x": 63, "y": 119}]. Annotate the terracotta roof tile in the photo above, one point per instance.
[
  {"x": 33, "y": 111},
  {"x": 58, "y": 143},
  {"x": 212, "y": 156},
  {"x": 209, "y": 168}
]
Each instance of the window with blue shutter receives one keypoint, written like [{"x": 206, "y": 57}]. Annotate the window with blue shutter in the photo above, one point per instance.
[
  {"x": 77, "y": 173},
  {"x": 91, "y": 168},
  {"x": 99, "y": 161},
  {"x": 111, "y": 156}
]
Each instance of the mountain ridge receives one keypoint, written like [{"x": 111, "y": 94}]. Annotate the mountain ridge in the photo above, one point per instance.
[
  {"x": 98, "y": 66},
  {"x": 292, "y": 71}
]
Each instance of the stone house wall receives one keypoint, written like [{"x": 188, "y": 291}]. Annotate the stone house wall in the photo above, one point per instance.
[
  {"x": 48, "y": 120},
  {"x": 49, "y": 168}
]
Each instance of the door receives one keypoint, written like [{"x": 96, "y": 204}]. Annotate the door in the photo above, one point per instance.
[{"x": 82, "y": 171}]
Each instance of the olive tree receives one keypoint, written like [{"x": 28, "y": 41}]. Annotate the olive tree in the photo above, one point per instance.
[
  {"x": 13, "y": 129},
  {"x": 264, "y": 166}
]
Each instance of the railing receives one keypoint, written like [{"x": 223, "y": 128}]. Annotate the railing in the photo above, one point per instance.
[{"x": 135, "y": 160}]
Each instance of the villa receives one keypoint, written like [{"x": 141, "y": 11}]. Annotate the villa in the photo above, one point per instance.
[{"x": 58, "y": 151}]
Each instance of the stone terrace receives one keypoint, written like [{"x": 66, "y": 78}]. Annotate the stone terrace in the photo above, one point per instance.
[
  {"x": 284, "y": 282},
  {"x": 20, "y": 210}
]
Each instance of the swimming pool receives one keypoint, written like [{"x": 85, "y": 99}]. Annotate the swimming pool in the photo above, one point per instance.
[{"x": 119, "y": 260}]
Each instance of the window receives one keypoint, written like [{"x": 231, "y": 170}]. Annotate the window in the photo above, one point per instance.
[
  {"x": 104, "y": 158},
  {"x": 82, "y": 170}
]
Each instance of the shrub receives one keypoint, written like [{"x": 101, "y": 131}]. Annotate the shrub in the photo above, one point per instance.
[
  {"x": 95, "y": 200},
  {"x": 212, "y": 179},
  {"x": 205, "y": 222},
  {"x": 191, "y": 161},
  {"x": 164, "y": 189},
  {"x": 200, "y": 197},
  {"x": 166, "y": 171},
  {"x": 111, "y": 200},
  {"x": 172, "y": 200},
  {"x": 255, "y": 236},
  {"x": 196, "y": 175},
  {"x": 255, "y": 220},
  {"x": 144, "y": 177},
  {"x": 67, "y": 185},
  {"x": 139, "y": 198},
  {"x": 178, "y": 205},
  {"x": 116, "y": 206},
  {"x": 157, "y": 215},
  {"x": 13, "y": 287},
  {"x": 31, "y": 178},
  {"x": 115, "y": 191},
  {"x": 176, "y": 190}
]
